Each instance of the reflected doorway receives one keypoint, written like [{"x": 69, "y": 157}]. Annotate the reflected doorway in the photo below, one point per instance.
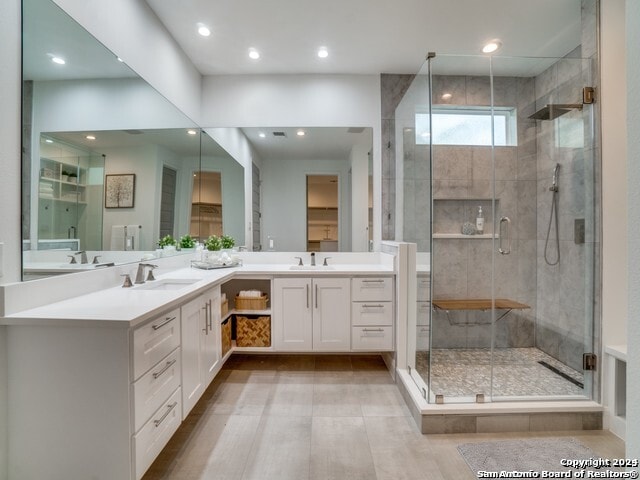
[
  {"x": 206, "y": 205},
  {"x": 322, "y": 213}
]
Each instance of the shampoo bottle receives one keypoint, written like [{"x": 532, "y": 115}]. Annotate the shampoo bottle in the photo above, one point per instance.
[{"x": 480, "y": 222}]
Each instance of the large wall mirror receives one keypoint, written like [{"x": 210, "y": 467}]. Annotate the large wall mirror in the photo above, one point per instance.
[{"x": 110, "y": 166}]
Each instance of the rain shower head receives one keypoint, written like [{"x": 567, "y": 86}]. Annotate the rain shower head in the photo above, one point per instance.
[{"x": 552, "y": 111}]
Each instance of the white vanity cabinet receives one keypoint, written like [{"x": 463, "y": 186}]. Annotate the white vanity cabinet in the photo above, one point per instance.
[
  {"x": 201, "y": 346},
  {"x": 372, "y": 314},
  {"x": 311, "y": 314}
]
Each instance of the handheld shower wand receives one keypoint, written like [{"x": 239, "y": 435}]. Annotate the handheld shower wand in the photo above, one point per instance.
[
  {"x": 554, "y": 181},
  {"x": 554, "y": 213}
]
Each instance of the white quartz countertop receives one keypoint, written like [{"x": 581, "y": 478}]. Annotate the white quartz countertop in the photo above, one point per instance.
[{"x": 128, "y": 307}]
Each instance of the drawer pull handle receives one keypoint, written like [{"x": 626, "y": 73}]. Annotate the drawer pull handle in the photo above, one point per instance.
[
  {"x": 373, "y": 330},
  {"x": 367, "y": 305},
  {"x": 166, "y": 414},
  {"x": 160, "y": 325},
  {"x": 165, "y": 368},
  {"x": 373, "y": 281}
]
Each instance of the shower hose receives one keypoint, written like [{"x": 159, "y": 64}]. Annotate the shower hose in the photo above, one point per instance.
[{"x": 554, "y": 213}]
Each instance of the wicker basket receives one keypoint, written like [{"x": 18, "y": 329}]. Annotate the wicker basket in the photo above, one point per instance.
[
  {"x": 224, "y": 307},
  {"x": 226, "y": 336},
  {"x": 253, "y": 332},
  {"x": 251, "y": 303}
]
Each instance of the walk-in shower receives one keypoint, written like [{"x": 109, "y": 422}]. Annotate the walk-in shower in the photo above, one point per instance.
[{"x": 497, "y": 315}]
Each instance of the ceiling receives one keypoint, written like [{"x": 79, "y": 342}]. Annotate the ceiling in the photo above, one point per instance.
[
  {"x": 362, "y": 36},
  {"x": 318, "y": 143}
]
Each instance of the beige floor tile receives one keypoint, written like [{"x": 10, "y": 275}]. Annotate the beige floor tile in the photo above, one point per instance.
[
  {"x": 333, "y": 362},
  {"x": 340, "y": 449},
  {"x": 381, "y": 400},
  {"x": 280, "y": 450},
  {"x": 241, "y": 398},
  {"x": 336, "y": 400},
  {"x": 292, "y": 395},
  {"x": 399, "y": 451}
]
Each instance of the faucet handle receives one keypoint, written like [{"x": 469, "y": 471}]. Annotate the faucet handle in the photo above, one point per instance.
[
  {"x": 95, "y": 259},
  {"x": 73, "y": 258},
  {"x": 325, "y": 264},
  {"x": 127, "y": 280},
  {"x": 150, "y": 277},
  {"x": 300, "y": 264}
]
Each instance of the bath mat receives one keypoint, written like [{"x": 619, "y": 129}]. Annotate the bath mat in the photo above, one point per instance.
[{"x": 530, "y": 455}]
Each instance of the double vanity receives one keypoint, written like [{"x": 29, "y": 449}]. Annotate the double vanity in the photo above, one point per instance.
[{"x": 100, "y": 382}]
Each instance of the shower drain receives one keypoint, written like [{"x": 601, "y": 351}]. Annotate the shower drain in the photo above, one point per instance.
[{"x": 562, "y": 374}]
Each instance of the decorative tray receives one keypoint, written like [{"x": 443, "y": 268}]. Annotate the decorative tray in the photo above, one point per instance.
[{"x": 211, "y": 266}]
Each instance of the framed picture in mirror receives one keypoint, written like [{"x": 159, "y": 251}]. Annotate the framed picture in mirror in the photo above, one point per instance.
[{"x": 119, "y": 190}]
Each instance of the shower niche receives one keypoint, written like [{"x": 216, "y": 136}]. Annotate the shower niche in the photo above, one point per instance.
[{"x": 451, "y": 214}]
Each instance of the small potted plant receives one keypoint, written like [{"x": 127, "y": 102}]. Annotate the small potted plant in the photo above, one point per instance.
[
  {"x": 64, "y": 176},
  {"x": 167, "y": 243},
  {"x": 227, "y": 242},
  {"x": 187, "y": 242},
  {"x": 73, "y": 177},
  {"x": 213, "y": 243}
]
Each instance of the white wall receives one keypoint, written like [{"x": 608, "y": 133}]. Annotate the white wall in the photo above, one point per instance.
[
  {"x": 633, "y": 172},
  {"x": 284, "y": 200},
  {"x": 613, "y": 100},
  {"x": 297, "y": 101},
  {"x": 133, "y": 32},
  {"x": 143, "y": 162},
  {"x": 9, "y": 183}
]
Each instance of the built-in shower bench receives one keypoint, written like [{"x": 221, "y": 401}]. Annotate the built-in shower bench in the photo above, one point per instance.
[{"x": 479, "y": 304}]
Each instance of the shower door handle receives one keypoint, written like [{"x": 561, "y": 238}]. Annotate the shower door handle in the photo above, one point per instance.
[{"x": 507, "y": 221}]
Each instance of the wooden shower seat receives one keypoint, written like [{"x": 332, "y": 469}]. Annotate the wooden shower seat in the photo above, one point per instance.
[{"x": 479, "y": 304}]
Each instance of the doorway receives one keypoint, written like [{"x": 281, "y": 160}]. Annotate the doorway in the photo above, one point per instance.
[{"x": 322, "y": 213}]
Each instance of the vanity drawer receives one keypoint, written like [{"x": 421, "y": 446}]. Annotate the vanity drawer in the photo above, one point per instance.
[
  {"x": 422, "y": 313},
  {"x": 155, "y": 434},
  {"x": 372, "y": 339},
  {"x": 372, "y": 288},
  {"x": 155, "y": 340},
  {"x": 371, "y": 313},
  {"x": 422, "y": 338},
  {"x": 153, "y": 388},
  {"x": 424, "y": 289}
]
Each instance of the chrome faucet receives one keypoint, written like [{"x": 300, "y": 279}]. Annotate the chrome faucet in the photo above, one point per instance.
[
  {"x": 313, "y": 259},
  {"x": 83, "y": 258},
  {"x": 140, "y": 272}
]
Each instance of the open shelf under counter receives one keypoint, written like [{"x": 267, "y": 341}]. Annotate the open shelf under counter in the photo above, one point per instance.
[
  {"x": 484, "y": 236},
  {"x": 233, "y": 312},
  {"x": 235, "y": 348}
]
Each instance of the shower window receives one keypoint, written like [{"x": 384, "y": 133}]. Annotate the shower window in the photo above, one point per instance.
[{"x": 468, "y": 126}]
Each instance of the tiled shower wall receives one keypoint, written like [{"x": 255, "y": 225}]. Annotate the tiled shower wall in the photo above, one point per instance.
[
  {"x": 462, "y": 181},
  {"x": 568, "y": 293}
]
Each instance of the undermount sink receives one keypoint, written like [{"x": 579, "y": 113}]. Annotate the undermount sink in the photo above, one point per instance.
[
  {"x": 311, "y": 267},
  {"x": 168, "y": 284}
]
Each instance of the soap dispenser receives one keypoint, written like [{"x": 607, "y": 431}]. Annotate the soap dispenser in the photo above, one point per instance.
[{"x": 480, "y": 221}]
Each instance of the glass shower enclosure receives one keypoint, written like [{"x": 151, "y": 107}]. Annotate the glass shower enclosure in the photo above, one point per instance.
[{"x": 496, "y": 184}]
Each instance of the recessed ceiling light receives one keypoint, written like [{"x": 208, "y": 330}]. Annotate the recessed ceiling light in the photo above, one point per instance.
[
  {"x": 203, "y": 30},
  {"x": 262, "y": 135},
  {"x": 191, "y": 132},
  {"x": 300, "y": 133},
  {"x": 90, "y": 137},
  {"x": 58, "y": 60},
  {"x": 446, "y": 96},
  {"x": 120, "y": 60},
  {"x": 48, "y": 140},
  {"x": 254, "y": 54},
  {"x": 323, "y": 52},
  {"x": 492, "y": 46}
]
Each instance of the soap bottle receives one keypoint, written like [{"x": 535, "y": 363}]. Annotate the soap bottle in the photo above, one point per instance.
[{"x": 480, "y": 221}]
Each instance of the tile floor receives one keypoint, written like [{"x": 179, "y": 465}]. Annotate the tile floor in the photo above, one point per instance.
[
  {"x": 465, "y": 372},
  {"x": 302, "y": 417}
]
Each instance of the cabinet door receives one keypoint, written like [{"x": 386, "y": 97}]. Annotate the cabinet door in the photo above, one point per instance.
[
  {"x": 210, "y": 339},
  {"x": 331, "y": 314},
  {"x": 193, "y": 325},
  {"x": 292, "y": 314}
]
